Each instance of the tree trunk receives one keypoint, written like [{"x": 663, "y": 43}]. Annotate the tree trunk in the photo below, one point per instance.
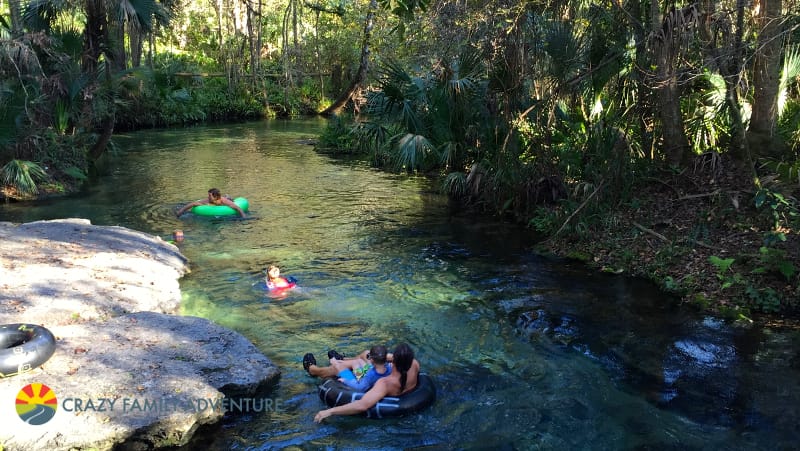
[
  {"x": 766, "y": 81},
  {"x": 15, "y": 8},
  {"x": 288, "y": 60},
  {"x": 676, "y": 144},
  {"x": 137, "y": 45},
  {"x": 220, "y": 6},
  {"x": 318, "y": 52},
  {"x": 666, "y": 51},
  {"x": 733, "y": 72},
  {"x": 151, "y": 40},
  {"x": 117, "y": 45},
  {"x": 363, "y": 67},
  {"x": 251, "y": 45},
  {"x": 106, "y": 130}
]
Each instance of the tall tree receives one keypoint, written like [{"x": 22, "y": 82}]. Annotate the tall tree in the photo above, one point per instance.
[
  {"x": 670, "y": 36},
  {"x": 15, "y": 11},
  {"x": 104, "y": 41},
  {"x": 363, "y": 67},
  {"x": 766, "y": 80},
  {"x": 291, "y": 53}
]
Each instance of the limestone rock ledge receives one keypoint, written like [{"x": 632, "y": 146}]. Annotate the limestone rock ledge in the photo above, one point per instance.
[{"x": 145, "y": 378}]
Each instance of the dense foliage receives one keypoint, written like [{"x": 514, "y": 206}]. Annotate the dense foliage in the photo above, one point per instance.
[{"x": 553, "y": 113}]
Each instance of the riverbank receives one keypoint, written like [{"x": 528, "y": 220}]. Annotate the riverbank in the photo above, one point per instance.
[
  {"x": 699, "y": 235},
  {"x": 127, "y": 371}
]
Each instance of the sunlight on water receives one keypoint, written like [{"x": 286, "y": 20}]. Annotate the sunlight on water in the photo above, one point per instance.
[{"x": 526, "y": 353}]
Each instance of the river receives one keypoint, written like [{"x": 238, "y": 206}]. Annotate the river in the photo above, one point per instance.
[{"x": 527, "y": 352}]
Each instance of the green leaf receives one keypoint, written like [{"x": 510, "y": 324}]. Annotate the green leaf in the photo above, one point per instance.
[
  {"x": 722, "y": 264},
  {"x": 761, "y": 197},
  {"x": 76, "y": 173},
  {"x": 787, "y": 269}
]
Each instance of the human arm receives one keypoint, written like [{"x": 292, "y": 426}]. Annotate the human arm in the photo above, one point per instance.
[
  {"x": 190, "y": 205},
  {"x": 370, "y": 398},
  {"x": 278, "y": 282},
  {"x": 233, "y": 205},
  {"x": 370, "y": 378}
]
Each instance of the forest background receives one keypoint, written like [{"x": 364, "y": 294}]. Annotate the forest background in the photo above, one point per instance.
[{"x": 655, "y": 138}]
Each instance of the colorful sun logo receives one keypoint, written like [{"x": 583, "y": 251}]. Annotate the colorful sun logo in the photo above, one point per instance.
[{"x": 36, "y": 404}]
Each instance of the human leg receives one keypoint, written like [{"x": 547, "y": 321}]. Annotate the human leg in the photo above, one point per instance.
[
  {"x": 322, "y": 371},
  {"x": 332, "y": 354},
  {"x": 310, "y": 365},
  {"x": 336, "y": 366},
  {"x": 348, "y": 364}
]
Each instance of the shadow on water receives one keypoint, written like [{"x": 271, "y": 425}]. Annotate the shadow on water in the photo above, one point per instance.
[{"x": 526, "y": 352}]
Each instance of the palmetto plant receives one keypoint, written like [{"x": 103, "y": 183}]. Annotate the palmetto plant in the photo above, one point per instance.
[
  {"x": 426, "y": 122},
  {"x": 85, "y": 61},
  {"x": 787, "y": 169},
  {"x": 23, "y": 176},
  {"x": 789, "y": 74},
  {"x": 789, "y": 110},
  {"x": 707, "y": 124}
]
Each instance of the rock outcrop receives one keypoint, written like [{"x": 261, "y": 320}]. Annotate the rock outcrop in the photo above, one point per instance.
[{"x": 126, "y": 369}]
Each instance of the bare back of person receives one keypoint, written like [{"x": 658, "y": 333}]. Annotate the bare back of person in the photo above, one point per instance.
[{"x": 392, "y": 382}]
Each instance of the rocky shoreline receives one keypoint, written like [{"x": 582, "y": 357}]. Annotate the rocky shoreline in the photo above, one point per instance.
[{"x": 127, "y": 371}]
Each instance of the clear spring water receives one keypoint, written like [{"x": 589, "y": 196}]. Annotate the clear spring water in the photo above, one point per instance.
[{"x": 527, "y": 353}]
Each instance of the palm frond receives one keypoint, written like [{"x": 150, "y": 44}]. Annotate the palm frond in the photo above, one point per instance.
[
  {"x": 412, "y": 151},
  {"x": 410, "y": 118},
  {"x": 450, "y": 154},
  {"x": 706, "y": 123},
  {"x": 398, "y": 92},
  {"x": 138, "y": 13},
  {"x": 392, "y": 72},
  {"x": 789, "y": 74},
  {"x": 564, "y": 49},
  {"x": 455, "y": 185},
  {"x": 370, "y": 136},
  {"x": 41, "y": 15},
  {"x": 19, "y": 55},
  {"x": 377, "y": 103},
  {"x": 23, "y": 175},
  {"x": 467, "y": 72},
  {"x": 70, "y": 41}
]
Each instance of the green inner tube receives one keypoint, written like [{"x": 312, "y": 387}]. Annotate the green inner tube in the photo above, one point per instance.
[{"x": 221, "y": 210}]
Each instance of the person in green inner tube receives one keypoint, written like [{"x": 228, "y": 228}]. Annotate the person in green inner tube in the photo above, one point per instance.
[
  {"x": 402, "y": 380},
  {"x": 214, "y": 198}
]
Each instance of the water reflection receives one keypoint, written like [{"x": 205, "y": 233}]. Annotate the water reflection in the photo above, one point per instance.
[{"x": 527, "y": 353}]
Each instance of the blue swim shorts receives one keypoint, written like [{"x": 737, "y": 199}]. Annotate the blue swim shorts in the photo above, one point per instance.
[{"x": 348, "y": 375}]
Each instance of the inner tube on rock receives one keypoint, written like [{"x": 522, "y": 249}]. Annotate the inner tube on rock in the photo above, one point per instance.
[
  {"x": 221, "y": 210},
  {"x": 334, "y": 393},
  {"x": 24, "y": 347}
]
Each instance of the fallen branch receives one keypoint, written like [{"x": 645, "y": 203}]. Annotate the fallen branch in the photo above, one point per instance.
[
  {"x": 702, "y": 244},
  {"x": 695, "y": 196},
  {"x": 580, "y": 207},
  {"x": 650, "y": 231}
]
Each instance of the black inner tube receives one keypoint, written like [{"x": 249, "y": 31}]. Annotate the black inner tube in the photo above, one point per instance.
[
  {"x": 13, "y": 338},
  {"x": 24, "y": 347}
]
